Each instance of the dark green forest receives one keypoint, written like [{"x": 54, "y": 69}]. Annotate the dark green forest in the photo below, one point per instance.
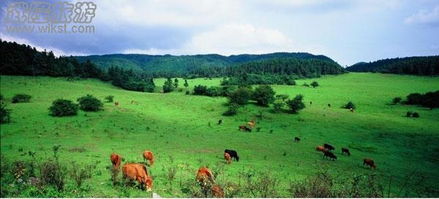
[
  {"x": 275, "y": 68},
  {"x": 162, "y": 65},
  {"x": 428, "y": 65}
]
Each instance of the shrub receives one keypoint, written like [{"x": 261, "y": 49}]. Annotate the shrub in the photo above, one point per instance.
[
  {"x": 396, "y": 100},
  {"x": 279, "y": 103},
  {"x": 109, "y": 99},
  {"x": 176, "y": 83},
  {"x": 232, "y": 110},
  {"x": 305, "y": 84},
  {"x": 200, "y": 90},
  {"x": 89, "y": 103},
  {"x": 290, "y": 81},
  {"x": 80, "y": 174},
  {"x": 5, "y": 113},
  {"x": 168, "y": 86},
  {"x": 188, "y": 92},
  {"x": 61, "y": 107},
  {"x": 415, "y": 114},
  {"x": 263, "y": 95},
  {"x": 349, "y": 105},
  {"x": 296, "y": 104},
  {"x": 314, "y": 84},
  {"x": 213, "y": 91},
  {"x": 53, "y": 174},
  {"x": 18, "y": 98},
  {"x": 240, "y": 96},
  {"x": 414, "y": 98},
  {"x": 430, "y": 99}
]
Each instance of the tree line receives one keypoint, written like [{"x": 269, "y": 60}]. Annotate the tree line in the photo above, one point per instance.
[
  {"x": 20, "y": 59},
  {"x": 276, "y": 68},
  {"x": 427, "y": 66}
]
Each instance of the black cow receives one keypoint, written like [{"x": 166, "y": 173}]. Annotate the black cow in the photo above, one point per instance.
[
  {"x": 232, "y": 154},
  {"x": 329, "y": 105},
  {"x": 328, "y": 146},
  {"x": 329, "y": 154},
  {"x": 296, "y": 139},
  {"x": 345, "y": 150},
  {"x": 220, "y": 121}
]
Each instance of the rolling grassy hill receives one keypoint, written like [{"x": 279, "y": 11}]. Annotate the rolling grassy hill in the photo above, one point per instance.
[{"x": 182, "y": 132}]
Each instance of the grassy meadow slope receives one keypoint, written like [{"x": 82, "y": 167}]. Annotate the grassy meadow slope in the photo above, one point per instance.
[{"x": 182, "y": 132}]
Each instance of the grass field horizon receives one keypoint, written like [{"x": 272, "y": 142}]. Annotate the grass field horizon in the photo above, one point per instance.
[{"x": 183, "y": 133}]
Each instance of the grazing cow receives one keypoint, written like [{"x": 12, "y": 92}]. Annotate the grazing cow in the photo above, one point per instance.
[
  {"x": 345, "y": 150},
  {"x": 232, "y": 153},
  {"x": 139, "y": 173},
  {"x": 351, "y": 109},
  {"x": 116, "y": 103},
  {"x": 220, "y": 121},
  {"x": 228, "y": 158},
  {"x": 115, "y": 160},
  {"x": 310, "y": 102},
  {"x": 251, "y": 124},
  {"x": 245, "y": 128},
  {"x": 321, "y": 148},
  {"x": 296, "y": 139},
  {"x": 204, "y": 176},
  {"x": 329, "y": 105},
  {"x": 148, "y": 156},
  {"x": 330, "y": 155},
  {"x": 217, "y": 191},
  {"x": 369, "y": 162},
  {"x": 328, "y": 146}
]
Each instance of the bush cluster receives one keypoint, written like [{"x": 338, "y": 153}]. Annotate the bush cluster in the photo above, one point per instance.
[
  {"x": 62, "y": 107},
  {"x": 89, "y": 103},
  {"x": 430, "y": 99},
  {"x": 19, "y": 98}
]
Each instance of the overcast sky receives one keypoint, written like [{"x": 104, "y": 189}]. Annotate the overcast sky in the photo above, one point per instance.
[{"x": 348, "y": 31}]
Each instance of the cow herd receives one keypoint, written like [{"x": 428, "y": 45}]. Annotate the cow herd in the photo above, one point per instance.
[
  {"x": 205, "y": 178},
  {"x": 327, "y": 151},
  {"x": 135, "y": 171},
  {"x": 139, "y": 172}
]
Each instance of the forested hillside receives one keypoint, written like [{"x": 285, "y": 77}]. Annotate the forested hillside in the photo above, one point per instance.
[
  {"x": 162, "y": 65},
  {"x": 428, "y": 65}
]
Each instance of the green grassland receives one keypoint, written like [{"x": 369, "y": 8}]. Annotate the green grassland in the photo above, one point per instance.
[{"x": 183, "y": 133}]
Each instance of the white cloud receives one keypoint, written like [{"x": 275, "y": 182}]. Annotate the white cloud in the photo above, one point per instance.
[
  {"x": 424, "y": 17},
  {"x": 167, "y": 12},
  {"x": 239, "y": 38},
  {"x": 232, "y": 39}
]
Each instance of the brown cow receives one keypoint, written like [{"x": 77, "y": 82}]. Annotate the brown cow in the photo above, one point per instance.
[
  {"x": 148, "y": 156},
  {"x": 251, "y": 124},
  {"x": 321, "y": 148},
  {"x": 204, "y": 176},
  {"x": 217, "y": 191},
  {"x": 115, "y": 160},
  {"x": 138, "y": 172},
  {"x": 116, "y": 103},
  {"x": 228, "y": 158},
  {"x": 369, "y": 162}
]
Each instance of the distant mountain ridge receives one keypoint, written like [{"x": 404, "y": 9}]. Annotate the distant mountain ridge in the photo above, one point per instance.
[
  {"x": 422, "y": 65},
  {"x": 182, "y": 63}
]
